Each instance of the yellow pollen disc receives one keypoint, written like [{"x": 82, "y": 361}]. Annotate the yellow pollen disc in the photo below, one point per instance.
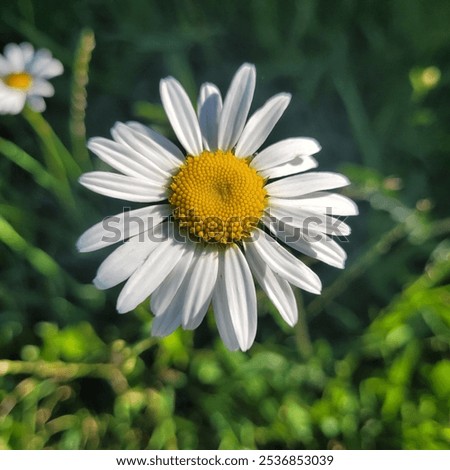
[
  {"x": 217, "y": 197},
  {"x": 20, "y": 81}
]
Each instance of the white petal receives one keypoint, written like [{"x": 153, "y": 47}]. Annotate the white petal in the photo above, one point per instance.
[
  {"x": 298, "y": 185},
  {"x": 163, "y": 295},
  {"x": 53, "y": 68},
  {"x": 317, "y": 246},
  {"x": 166, "y": 324},
  {"x": 14, "y": 55},
  {"x": 190, "y": 301},
  {"x": 144, "y": 149},
  {"x": 27, "y": 52},
  {"x": 199, "y": 287},
  {"x": 121, "y": 226},
  {"x": 36, "y": 103},
  {"x": 41, "y": 87},
  {"x": 284, "y": 151},
  {"x": 234, "y": 300},
  {"x": 209, "y": 108},
  {"x": 222, "y": 314},
  {"x": 236, "y": 106},
  {"x": 309, "y": 222},
  {"x": 260, "y": 125},
  {"x": 125, "y": 260},
  {"x": 158, "y": 142},
  {"x": 123, "y": 187},
  {"x": 151, "y": 274},
  {"x": 284, "y": 263},
  {"x": 276, "y": 288},
  {"x": 5, "y": 66},
  {"x": 44, "y": 65},
  {"x": 127, "y": 161},
  {"x": 322, "y": 202},
  {"x": 296, "y": 165},
  {"x": 12, "y": 101},
  {"x": 181, "y": 115}
]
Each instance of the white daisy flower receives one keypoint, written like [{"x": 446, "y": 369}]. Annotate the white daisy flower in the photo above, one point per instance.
[
  {"x": 219, "y": 212},
  {"x": 24, "y": 75}
]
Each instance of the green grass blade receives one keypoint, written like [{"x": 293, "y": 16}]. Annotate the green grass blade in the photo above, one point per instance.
[
  {"x": 25, "y": 161},
  {"x": 39, "y": 259},
  {"x": 40, "y": 174},
  {"x": 59, "y": 160}
]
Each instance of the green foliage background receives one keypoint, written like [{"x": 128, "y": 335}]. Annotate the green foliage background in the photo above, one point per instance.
[{"x": 367, "y": 367}]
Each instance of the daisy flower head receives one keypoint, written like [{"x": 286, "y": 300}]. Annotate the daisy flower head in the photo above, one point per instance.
[
  {"x": 24, "y": 75},
  {"x": 222, "y": 214}
]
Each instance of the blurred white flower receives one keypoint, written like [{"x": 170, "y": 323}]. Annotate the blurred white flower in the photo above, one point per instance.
[
  {"x": 218, "y": 212},
  {"x": 24, "y": 75}
]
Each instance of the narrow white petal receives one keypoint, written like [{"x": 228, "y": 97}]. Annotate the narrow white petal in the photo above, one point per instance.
[
  {"x": 235, "y": 299},
  {"x": 181, "y": 115},
  {"x": 52, "y": 68},
  {"x": 122, "y": 226},
  {"x": 150, "y": 275},
  {"x": 41, "y": 59},
  {"x": 123, "y": 262},
  {"x": 284, "y": 151},
  {"x": 27, "y": 52},
  {"x": 236, "y": 106},
  {"x": 123, "y": 187},
  {"x": 14, "y": 55},
  {"x": 158, "y": 142},
  {"x": 163, "y": 295},
  {"x": 276, "y": 288},
  {"x": 299, "y": 185},
  {"x": 166, "y": 324},
  {"x": 5, "y": 66},
  {"x": 12, "y": 102},
  {"x": 222, "y": 312},
  {"x": 145, "y": 150},
  {"x": 308, "y": 221},
  {"x": 199, "y": 288},
  {"x": 284, "y": 263},
  {"x": 41, "y": 87},
  {"x": 190, "y": 301},
  {"x": 36, "y": 103},
  {"x": 44, "y": 65},
  {"x": 316, "y": 246},
  {"x": 209, "y": 107},
  {"x": 322, "y": 202},
  {"x": 260, "y": 125},
  {"x": 127, "y": 161},
  {"x": 296, "y": 165}
]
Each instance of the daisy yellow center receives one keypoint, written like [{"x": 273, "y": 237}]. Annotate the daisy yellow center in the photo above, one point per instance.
[
  {"x": 217, "y": 197},
  {"x": 20, "y": 81}
]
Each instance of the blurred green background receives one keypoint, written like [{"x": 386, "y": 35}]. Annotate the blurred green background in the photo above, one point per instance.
[{"x": 368, "y": 365}]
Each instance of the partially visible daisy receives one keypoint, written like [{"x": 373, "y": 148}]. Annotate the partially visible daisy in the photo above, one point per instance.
[
  {"x": 24, "y": 75},
  {"x": 221, "y": 213}
]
